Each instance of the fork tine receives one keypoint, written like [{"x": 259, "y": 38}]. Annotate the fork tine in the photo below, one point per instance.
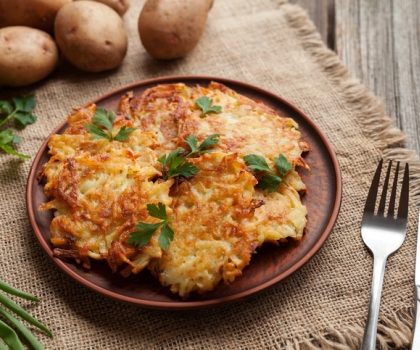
[
  {"x": 403, "y": 207},
  {"x": 391, "y": 206},
  {"x": 381, "y": 208},
  {"x": 373, "y": 190}
]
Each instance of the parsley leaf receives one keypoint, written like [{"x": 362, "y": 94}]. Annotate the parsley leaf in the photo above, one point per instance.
[
  {"x": 282, "y": 164},
  {"x": 191, "y": 141},
  {"x": 209, "y": 142},
  {"x": 7, "y": 139},
  {"x": 104, "y": 119},
  {"x": 267, "y": 178},
  {"x": 166, "y": 236},
  {"x": 144, "y": 231},
  {"x": 19, "y": 110},
  {"x": 255, "y": 162},
  {"x": 185, "y": 169},
  {"x": 175, "y": 163},
  {"x": 97, "y": 132},
  {"x": 196, "y": 150},
  {"x": 157, "y": 211},
  {"x": 206, "y": 105},
  {"x": 123, "y": 133},
  {"x": 24, "y": 103},
  {"x": 269, "y": 182},
  {"x": 24, "y": 118}
]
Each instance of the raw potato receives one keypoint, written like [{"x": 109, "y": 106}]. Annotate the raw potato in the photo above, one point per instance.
[
  {"x": 171, "y": 28},
  {"x": 121, "y": 6},
  {"x": 26, "y": 55},
  {"x": 31, "y": 13},
  {"x": 91, "y": 36}
]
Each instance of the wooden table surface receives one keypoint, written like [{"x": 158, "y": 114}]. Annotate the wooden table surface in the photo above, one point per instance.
[{"x": 379, "y": 42}]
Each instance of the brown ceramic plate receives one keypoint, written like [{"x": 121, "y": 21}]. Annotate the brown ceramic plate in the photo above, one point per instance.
[{"x": 269, "y": 266}]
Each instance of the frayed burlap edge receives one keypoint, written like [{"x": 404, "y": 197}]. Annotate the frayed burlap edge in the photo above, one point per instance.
[{"x": 394, "y": 331}]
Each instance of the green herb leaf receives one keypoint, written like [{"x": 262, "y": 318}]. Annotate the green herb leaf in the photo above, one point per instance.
[
  {"x": 196, "y": 150},
  {"x": 157, "y": 211},
  {"x": 269, "y": 182},
  {"x": 206, "y": 105},
  {"x": 104, "y": 118},
  {"x": 6, "y": 137},
  {"x": 19, "y": 110},
  {"x": 123, "y": 133},
  {"x": 257, "y": 163},
  {"x": 6, "y": 108},
  {"x": 23, "y": 118},
  {"x": 166, "y": 236},
  {"x": 209, "y": 142},
  {"x": 96, "y": 132},
  {"x": 173, "y": 163},
  {"x": 282, "y": 164},
  {"x": 24, "y": 103},
  {"x": 143, "y": 233},
  {"x": 185, "y": 169},
  {"x": 191, "y": 140},
  {"x": 9, "y": 150}
]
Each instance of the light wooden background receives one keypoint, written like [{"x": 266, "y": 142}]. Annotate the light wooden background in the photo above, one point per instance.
[{"x": 379, "y": 42}]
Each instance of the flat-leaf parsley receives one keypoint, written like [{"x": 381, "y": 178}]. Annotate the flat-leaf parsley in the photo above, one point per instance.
[
  {"x": 267, "y": 178},
  {"x": 206, "y": 105},
  {"x": 101, "y": 126},
  {"x": 144, "y": 230}
]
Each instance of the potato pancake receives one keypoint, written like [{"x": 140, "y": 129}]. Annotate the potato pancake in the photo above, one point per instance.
[
  {"x": 167, "y": 184},
  {"x": 100, "y": 190},
  {"x": 210, "y": 243}
]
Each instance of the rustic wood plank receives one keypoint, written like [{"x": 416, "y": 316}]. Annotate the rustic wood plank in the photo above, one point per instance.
[
  {"x": 322, "y": 13},
  {"x": 379, "y": 41}
]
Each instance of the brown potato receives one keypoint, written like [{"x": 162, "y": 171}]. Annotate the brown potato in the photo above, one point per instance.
[
  {"x": 26, "y": 55},
  {"x": 171, "y": 28},
  {"x": 31, "y": 13},
  {"x": 91, "y": 36},
  {"x": 121, "y": 6}
]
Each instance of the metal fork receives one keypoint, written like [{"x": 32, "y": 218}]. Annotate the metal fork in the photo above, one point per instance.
[{"x": 383, "y": 233}]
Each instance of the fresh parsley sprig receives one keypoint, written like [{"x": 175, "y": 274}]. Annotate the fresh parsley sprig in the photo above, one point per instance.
[
  {"x": 19, "y": 111},
  {"x": 176, "y": 162},
  {"x": 144, "y": 230},
  {"x": 197, "y": 150},
  {"x": 267, "y": 178},
  {"x": 101, "y": 126},
  {"x": 206, "y": 105}
]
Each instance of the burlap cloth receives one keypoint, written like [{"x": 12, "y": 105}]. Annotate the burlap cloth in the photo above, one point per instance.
[{"x": 324, "y": 305}]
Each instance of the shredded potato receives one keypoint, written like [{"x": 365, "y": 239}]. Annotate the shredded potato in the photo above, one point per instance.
[{"x": 99, "y": 188}]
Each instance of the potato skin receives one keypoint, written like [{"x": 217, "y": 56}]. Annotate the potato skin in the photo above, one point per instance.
[
  {"x": 27, "y": 55},
  {"x": 91, "y": 36},
  {"x": 30, "y": 13},
  {"x": 171, "y": 28},
  {"x": 121, "y": 6}
]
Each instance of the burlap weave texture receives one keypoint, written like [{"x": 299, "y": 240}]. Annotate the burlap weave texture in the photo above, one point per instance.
[{"x": 271, "y": 45}]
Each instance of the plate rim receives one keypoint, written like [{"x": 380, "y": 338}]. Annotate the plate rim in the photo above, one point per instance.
[{"x": 198, "y": 304}]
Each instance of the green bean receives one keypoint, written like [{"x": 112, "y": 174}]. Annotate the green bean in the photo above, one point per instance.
[
  {"x": 11, "y": 290},
  {"x": 3, "y": 345},
  {"x": 10, "y": 337},
  {"x": 26, "y": 333},
  {"x": 24, "y": 314}
]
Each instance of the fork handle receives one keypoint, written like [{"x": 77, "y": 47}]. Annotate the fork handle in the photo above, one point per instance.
[
  {"x": 369, "y": 337},
  {"x": 416, "y": 331}
]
